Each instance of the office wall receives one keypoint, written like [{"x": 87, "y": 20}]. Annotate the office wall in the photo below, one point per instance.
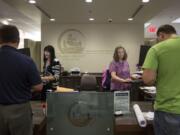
[
  {"x": 35, "y": 51},
  {"x": 90, "y": 46}
]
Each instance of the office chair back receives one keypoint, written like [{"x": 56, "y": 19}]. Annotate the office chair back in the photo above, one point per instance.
[{"x": 88, "y": 83}]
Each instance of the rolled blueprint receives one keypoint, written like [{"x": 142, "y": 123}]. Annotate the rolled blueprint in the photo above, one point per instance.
[{"x": 139, "y": 115}]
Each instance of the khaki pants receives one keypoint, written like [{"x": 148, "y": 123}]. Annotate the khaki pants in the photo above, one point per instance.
[{"x": 16, "y": 119}]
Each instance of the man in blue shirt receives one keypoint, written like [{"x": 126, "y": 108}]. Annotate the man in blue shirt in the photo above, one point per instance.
[{"x": 18, "y": 76}]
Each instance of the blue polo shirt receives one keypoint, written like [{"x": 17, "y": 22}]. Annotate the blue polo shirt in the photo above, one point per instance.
[{"x": 18, "y": 73}]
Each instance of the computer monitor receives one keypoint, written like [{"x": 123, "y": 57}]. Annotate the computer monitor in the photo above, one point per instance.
[
  {"x": 25, "y": 51},
  {"x": 143, "y": 51}
]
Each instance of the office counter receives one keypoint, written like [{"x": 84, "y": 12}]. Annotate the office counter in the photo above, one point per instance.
[
  {"x": 124, "y": 125},
  {"x": 128, "y": 125},
  {"x": 74, "y": 82}
]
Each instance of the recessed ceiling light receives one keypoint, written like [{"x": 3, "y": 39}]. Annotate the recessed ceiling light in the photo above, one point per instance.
[
  {"x": 88, "y": 1},
  {"x": 5, "y": 22},
  {"x": 32, "y": 1},
  {"x": 176, "y": 21},
  {"x": 130, "y": 19},
  {"x": 91, "y": 19},
  {"x": 52, "y": 19},
  {"x": 145, "y": 1},
  {"x": 9, "y": 19}
]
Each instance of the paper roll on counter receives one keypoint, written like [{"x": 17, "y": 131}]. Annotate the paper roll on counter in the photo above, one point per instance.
[{"x": 139, "y": 115}]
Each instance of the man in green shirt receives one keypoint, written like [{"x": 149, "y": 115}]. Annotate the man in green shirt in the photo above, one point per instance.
[{"x": 162, "y": 65}]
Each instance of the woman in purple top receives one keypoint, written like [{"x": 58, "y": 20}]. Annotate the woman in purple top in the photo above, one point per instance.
[{"x": 119, "y": 69}]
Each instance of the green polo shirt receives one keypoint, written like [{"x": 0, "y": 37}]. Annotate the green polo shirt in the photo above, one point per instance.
[{"x": 164, "y": 58}]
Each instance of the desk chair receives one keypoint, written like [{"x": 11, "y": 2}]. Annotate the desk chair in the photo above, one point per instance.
[{"x": 88, "y": 83}]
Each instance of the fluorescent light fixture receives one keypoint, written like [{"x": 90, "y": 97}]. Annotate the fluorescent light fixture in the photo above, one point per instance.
[
  {"x": 88, "y": 1},
  {"x": 5, "y": 22},
  {"x": 52, "y": 19},
  {"x": 176, "y": 21},
  {"x": 9, "y": 19},
  {"x": 146, "y": 25},
  {"x": 130, "y": 19},
  {"x": 145, "y": 1},
  {"x": 91, "y": 19},
  {"x": 32, "y": 1}
]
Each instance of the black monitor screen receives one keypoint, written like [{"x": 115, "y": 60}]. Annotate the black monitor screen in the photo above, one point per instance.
[
  {"x": 25, "y": 51},
  {"x": 143, "y": 51}
]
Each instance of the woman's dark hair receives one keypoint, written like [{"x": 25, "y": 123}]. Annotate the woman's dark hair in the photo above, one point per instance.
[
  {"x": 167, "y": 29},
  {"x": 9, "y": 34},
  {"x": 51, "y": 50},
  {"x": 116, "y": 57}
]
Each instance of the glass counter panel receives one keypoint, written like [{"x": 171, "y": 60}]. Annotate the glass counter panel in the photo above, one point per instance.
[{"x": 80, "y": 113}]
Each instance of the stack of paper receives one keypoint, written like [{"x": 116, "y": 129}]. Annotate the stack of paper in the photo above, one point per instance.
[
  {"x": 148, "y": 115},
  {"x": 151, "y": 89},
  {"x": 62, "y": 89}
]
